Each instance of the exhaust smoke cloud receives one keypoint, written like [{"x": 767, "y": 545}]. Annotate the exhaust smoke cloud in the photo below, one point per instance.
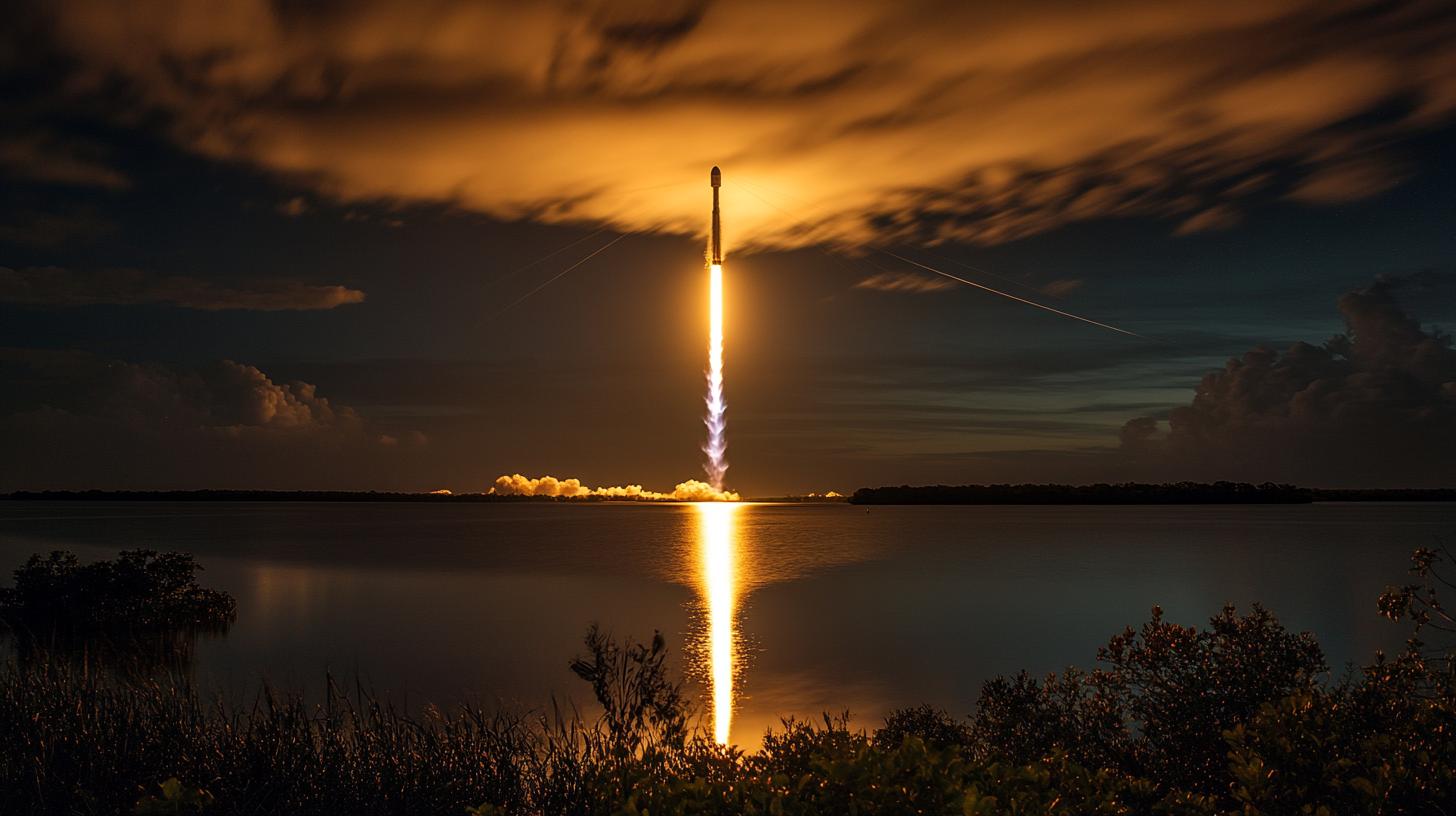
[{"x": 691, "y": 490}]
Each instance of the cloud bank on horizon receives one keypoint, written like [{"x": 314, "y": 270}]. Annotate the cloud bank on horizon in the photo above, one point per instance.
[
  {"x": 836, "y": 123},
  {"x": 73, "y": 420},
  {"x": 55, "y": 286},
  {"x": 1374, "y": 405}
]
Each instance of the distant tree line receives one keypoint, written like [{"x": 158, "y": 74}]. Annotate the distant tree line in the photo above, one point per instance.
[
  {"x": 1136, "y": 493},
  {"x": 283, "y": 495}
]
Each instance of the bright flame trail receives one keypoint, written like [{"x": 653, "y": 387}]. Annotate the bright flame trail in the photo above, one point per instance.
[
  {"x": 717, "y": 423},
  {"x": 720, "y": 590}
]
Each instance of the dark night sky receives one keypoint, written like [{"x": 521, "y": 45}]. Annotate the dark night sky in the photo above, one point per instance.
[{"x": 273, "y": 244}]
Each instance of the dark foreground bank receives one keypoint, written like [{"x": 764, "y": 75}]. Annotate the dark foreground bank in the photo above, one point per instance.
[{"x": 1239, "y": 717}]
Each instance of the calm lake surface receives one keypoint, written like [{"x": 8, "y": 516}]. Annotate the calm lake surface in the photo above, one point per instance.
[{"x": 769, "y": 609}]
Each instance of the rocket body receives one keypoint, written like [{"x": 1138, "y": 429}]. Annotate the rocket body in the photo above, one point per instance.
[{"x": 716, "y": 179}]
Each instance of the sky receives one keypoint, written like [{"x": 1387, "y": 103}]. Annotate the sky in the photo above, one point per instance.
[{"x": 345, "y": 245}]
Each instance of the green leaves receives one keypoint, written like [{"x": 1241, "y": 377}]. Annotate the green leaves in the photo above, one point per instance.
[{"x": 176, "y": 798}]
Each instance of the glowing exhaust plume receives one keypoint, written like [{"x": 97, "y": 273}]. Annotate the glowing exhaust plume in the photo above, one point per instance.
[
  {"x": 691, "y": 490},
  {"x": 718, "y": 565},
  {"x": 717, "y": 423}
]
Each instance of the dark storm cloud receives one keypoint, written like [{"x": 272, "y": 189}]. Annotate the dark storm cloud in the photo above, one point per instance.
[
  {"x": 879, "y": 419},
  {"x": 905, "y": 282},
  {"x": 1157, "y": 365},
  {"x": 54, "y": 286},
  {"x": 1061, "y": 287},
  {"x": 836, "y": 122},
  {"x": 1217, "y": 217},
  {"x": 1347, "y": 181},
  {"x": 45, "y": 230},
  {"x": 72, "y": 419},
  {"x": 39, "y": 156},
  {"x": 227, "y": 397},
  {"x": 1374, "y": 405}
]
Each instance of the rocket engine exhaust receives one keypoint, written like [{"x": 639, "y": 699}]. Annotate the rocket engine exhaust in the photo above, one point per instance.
[{"x": 715, "y": 420}]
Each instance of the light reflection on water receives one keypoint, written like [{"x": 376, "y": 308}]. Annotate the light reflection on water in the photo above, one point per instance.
[
  {"x": 718, "y": 583},
  {"x": 819, "y": 608}
]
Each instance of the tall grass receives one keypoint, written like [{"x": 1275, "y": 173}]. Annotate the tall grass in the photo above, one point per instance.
[{"x": 74, "y": 740}]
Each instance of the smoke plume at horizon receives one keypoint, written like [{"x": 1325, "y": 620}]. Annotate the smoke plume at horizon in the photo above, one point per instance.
[{"x": 572, "y": 488}]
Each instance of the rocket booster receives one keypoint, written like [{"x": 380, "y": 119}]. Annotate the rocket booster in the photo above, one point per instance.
[{"x": 716, "y": 179}]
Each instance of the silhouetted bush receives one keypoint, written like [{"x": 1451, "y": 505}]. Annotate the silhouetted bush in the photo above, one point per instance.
[
  {"x": 140, "y": 590},
  {"x": 1180, "y": 688},
  {"x": 1422, "y": 603},
  {"x": 1160, "y": 704},
  {"x": 932, "y": 726},
  {"x": 142, "y": 602},
  {"x": 1022, "y": 719},
  {"x": 1384, "y": 743}
]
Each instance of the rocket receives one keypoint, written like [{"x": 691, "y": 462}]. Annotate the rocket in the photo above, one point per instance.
[{"x": 716, "y": 179}]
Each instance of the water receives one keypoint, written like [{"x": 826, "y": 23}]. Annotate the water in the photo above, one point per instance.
[{"x": 814, "y": 607}]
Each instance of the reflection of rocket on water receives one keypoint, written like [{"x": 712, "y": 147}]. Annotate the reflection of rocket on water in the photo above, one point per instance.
[{"x": 716, "y": 179}]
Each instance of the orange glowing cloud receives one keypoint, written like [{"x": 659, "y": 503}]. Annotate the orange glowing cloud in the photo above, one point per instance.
[
  {"x": 691, "y": 490},
  {"x": 834, "y": 122},
  {"x": 910, "y": 282},
  {"x": 55, "y": 286}
]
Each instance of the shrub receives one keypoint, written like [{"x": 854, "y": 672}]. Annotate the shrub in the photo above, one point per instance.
[
  {"x": 1379, "y": 744},
  {"x": 1022, "y": 719},
  {"x": 144, "y": 603},
  {"x": 930, "y": 725},
  {"x": 1422, "y": 603},
  {"x": 1160, "y": 704}
]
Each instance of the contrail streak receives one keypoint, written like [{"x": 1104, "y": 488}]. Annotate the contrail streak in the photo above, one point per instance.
[
  {"x": 548, "y": 256},
  {"x": 1010, "y": 296},
  {"x": 557, "y": 276},
  {"x": 971, "y": 283}
]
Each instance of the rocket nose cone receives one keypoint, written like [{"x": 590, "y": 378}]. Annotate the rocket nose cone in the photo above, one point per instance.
[{"x": 716, "y": 178}]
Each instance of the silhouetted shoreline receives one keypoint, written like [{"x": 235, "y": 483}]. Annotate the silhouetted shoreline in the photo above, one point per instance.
[
  {"x": 1138, "y": 493},
  {"x": 1127, "y": 493},
  {"x": 295, "y": 495},
  {"x": 353, "y": 496}
]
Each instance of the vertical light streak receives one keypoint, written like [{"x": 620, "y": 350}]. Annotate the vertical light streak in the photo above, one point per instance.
[
  {"x": 717, "y": 423},
  {"x": 718, "y": 558}
]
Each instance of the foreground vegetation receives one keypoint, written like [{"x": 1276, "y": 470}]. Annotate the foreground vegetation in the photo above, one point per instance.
[
  {"x": 1234, "y": 718},
  {"x": 144, "y": 609}
]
